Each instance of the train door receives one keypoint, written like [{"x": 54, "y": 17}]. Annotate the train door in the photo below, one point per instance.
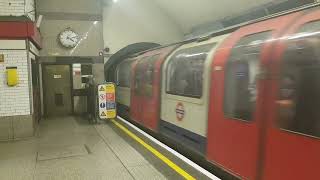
[
  {"x": 293, "y": 131},
  {"x": 236, "y": 111},
  {"x": 137, "y": 90},
  {"x": 151, "y": 101},
  {"x": 144, "y": 104},
  {"x": 149, "y": 104},
  {"x": 149, "y": 98}
]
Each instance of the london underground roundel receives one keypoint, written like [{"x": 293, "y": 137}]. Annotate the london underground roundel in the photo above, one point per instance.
[{"x": 180, "y": 111}]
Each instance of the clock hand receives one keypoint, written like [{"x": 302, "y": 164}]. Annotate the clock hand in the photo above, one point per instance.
[
  {"x": 74, "y": 38},
  {"x": 70, "y": 39}
]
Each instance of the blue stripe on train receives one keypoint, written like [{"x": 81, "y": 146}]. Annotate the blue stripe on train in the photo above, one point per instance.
[{"x": 189, "y": 139}]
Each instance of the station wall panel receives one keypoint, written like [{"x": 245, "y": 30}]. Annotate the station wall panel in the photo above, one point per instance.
[
  {"x": 17, "y": 8},
  {"x": 14, "y": 100}
]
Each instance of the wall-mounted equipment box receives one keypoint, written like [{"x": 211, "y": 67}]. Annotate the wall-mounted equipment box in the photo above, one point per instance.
[{"x": 12, "y": 76}]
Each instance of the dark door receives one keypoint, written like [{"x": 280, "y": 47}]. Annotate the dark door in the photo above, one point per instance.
[
  {"x": 57, "y": 90},
  {"x": 36, "y": 90}
]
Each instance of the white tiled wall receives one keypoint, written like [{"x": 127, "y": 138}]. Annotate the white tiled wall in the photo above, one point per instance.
[
  {"x": 14, "y": 100},
  {"x": 17, "y": 8},
  {"x": 30, "y": 9}
]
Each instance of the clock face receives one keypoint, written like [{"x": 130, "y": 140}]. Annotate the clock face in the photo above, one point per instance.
[{"x": 68, "y": 38}]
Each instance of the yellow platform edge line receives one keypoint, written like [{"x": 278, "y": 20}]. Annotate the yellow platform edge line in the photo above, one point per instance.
[{"x": 155, "y": 152}]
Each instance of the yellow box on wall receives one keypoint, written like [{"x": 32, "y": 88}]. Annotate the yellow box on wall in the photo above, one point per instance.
[{"x": 12, "y": 76}]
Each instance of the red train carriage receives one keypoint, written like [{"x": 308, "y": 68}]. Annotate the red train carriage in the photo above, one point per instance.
[
  {"x": 263, "y": 116},
  {"x": 237, "y": 93},
  {"x": 248, "y": 100}
]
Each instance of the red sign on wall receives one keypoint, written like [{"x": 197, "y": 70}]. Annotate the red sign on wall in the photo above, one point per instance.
[{"x": 110, "y": 97}]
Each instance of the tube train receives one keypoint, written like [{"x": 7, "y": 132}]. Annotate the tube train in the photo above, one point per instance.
[{"x": 247, "y": 100}]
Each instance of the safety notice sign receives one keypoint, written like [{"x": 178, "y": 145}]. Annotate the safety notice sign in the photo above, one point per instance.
[{"x": 107, "y": 101}]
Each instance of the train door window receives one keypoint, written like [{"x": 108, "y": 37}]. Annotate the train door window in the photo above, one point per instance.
[
  {"x": 299, "y": 89},
  {"x": 123, "y": 74},
  {"x": 149, "y": 75},
  {"x": 185, "y": 71},
  {"x": 242, "y": 68},
  {"x": 139, "y": 78}
]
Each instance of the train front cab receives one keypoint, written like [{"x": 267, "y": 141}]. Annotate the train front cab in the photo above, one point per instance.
[
  {"x": 145, "y": 91},
  {"x": 184, "y": 98},
  {"x": 123, "y": 83},
  {"x": 245, "y": 135}
]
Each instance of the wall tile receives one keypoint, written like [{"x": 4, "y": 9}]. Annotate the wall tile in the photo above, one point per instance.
[{"x": 14, "y": 100}]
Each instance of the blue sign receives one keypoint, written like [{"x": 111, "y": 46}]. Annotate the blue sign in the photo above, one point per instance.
[
  {"x": 111, "y": 105},
  {"x": 102, "y": 105}
]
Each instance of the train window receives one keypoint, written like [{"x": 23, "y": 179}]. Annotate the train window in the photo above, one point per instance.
[
  {"x": 123, "y": 74},
  {"x": 150, "y": 62},
  {"x": 144, "y": 75},
  {"x": 241, "y": 72},
  {"x": 299, "y": 90},
  {"x": 150, "y": 67},
  {"x": 185, "y": 71}
]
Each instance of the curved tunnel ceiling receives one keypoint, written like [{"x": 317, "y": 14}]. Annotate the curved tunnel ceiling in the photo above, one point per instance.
[
  {"x": 194, "y": 18},
  {"x": 190, "y": 13}
]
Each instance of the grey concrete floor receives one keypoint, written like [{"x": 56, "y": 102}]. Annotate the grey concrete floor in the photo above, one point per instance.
[{"x": 70, "y": 148}]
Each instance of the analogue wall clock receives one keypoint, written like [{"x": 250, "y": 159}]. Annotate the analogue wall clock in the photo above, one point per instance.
[{"x": 68, "y": 38}]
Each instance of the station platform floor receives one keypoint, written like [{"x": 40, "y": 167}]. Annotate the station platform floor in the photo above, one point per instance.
[{"x": 70, "y": 148}]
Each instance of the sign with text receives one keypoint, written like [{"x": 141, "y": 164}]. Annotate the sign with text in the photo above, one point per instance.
[{"x": 107, "y": 101}]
